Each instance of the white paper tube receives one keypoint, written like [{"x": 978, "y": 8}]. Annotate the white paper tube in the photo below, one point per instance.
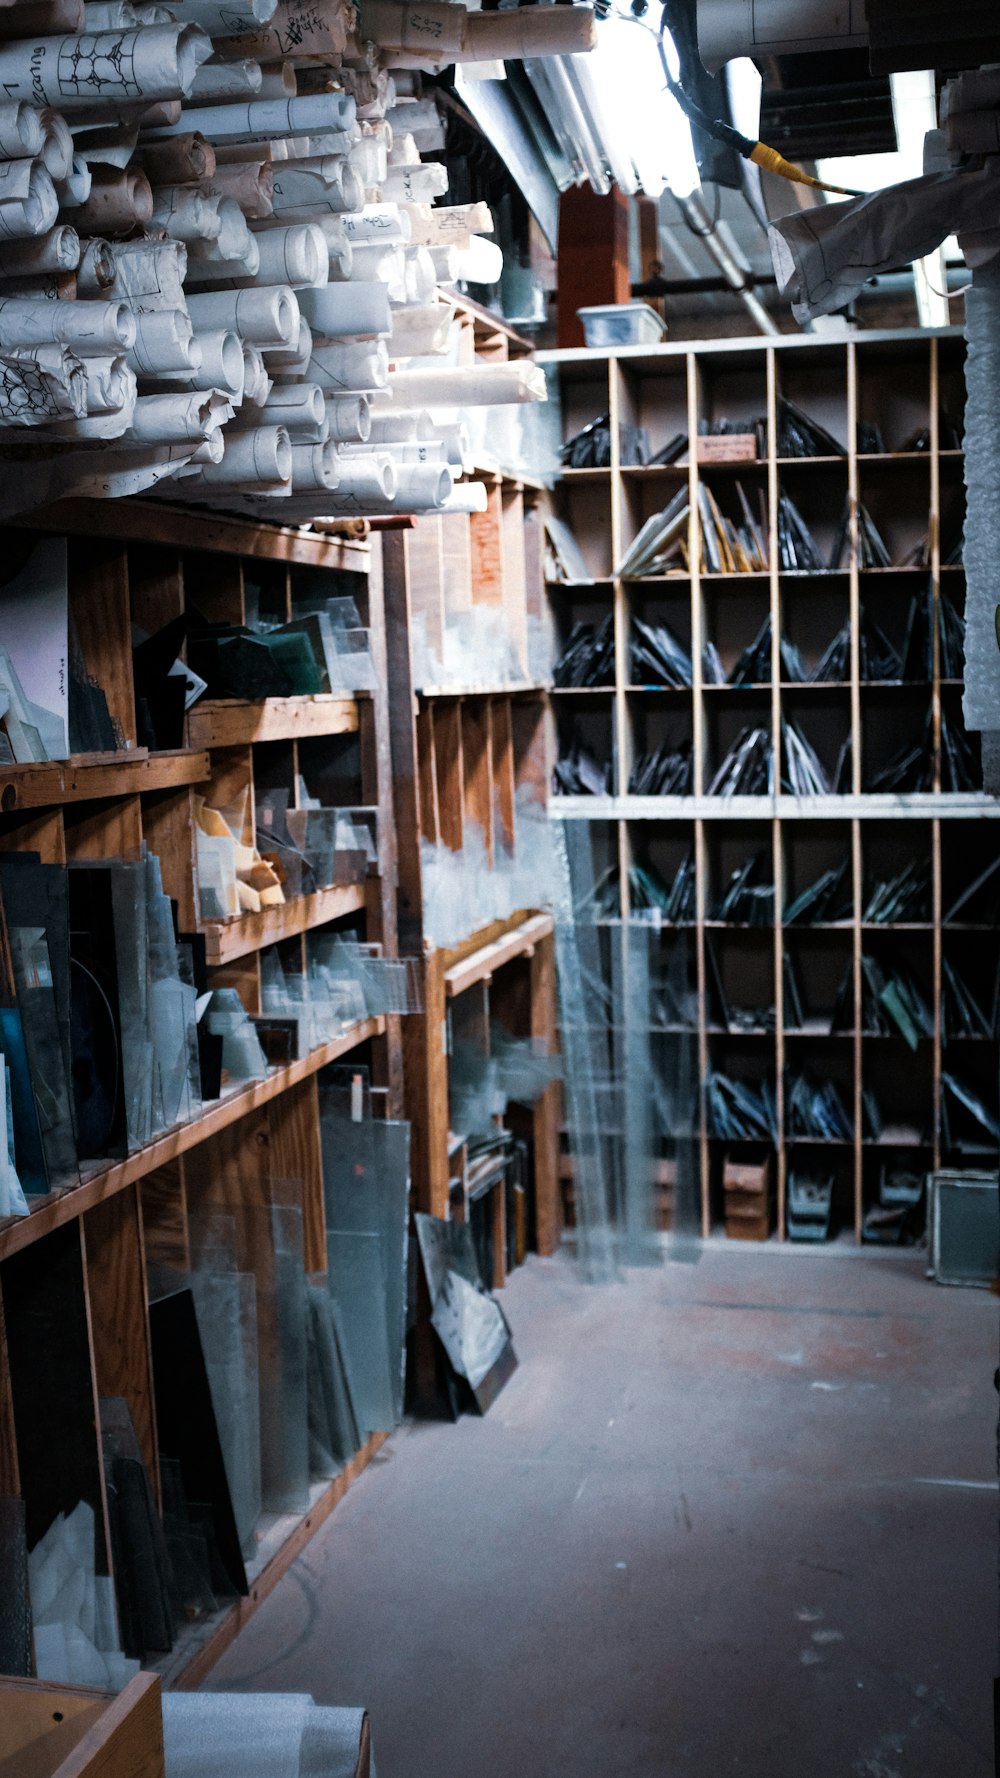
[
  {"x": 454, "y": 442},
  {"x": 311, "y": 187},
  {"x": 74, "y": 190},
  {"x": 467, "y": 497},
  {"x": 171, "y": 418},
  {"x": 296, "y": 256},
  {"x": 248, "y": 182},
  {"x": 448, "y": 222},
  {"x": 221, "y": 363},
  {"x": 377, "y": 224},
  {"x": 263, "y": 118},
  {"x": 186, "y": 213},
  {"x": 234, "y": 240},
  {"x": 381, "y": 265},
  {"x": 347, "y": 311},
  {"x": 259, "y": 458},
  {"x": 333, "y": 232},
  {"x": 314, "y": 466},
  {"x": 526, "y": 31},
  {"x": 300, "y": 408},
  {"x": 298, "y": 34},
  {"x": 340, "y": 264},
  {"x": 474, "y": 385},
  {"x": 28, "y": 202},
  {"x": 420, "y": 279},
  {"x": 278, "y": 81},
  {"x": 421, "y": 332},
  {"x": 215, "y": 81},
  {"x": 118, "y": 203},
  {"x": 21, "y": 133},
  {"x": 96, "y": 273},
  {"x": 481, "y": 262},
  {"x": 370, "y": 161},
  {"x": 177, "y": 162},
  {"x": 40, "y": 384},
  {"x": 415, "y": 185},
  {"x": 370, "y": 477},
  {"x": 57, "y": 144},
  {"x": 422, "y": 486},
  {"x": 445, "y": 263},
  {"x": 291, "y": 361},
  {"x": 114, "y": 67},
  {"x": 111, "y": 385},
  {"x": 349, "y": 368},
  {"x": 89, "y": 327},
  {"x": 164, "y": 341},
  {"x": 349, "y": 419},
  {"x": 264, "y": 317},
  {"x": 221, "y": 18},
  {"x": 433, "y": 30},
  {"x": 256, "y": 382},
  {"x": 148, "y": 274},
  {"x": 404, "y": 151},
  {"x": 420, "y": 117},
  {"x": 393, "y": 429},
  {"x": 111, "y": 15},
  {"x": 57, "y": 251}
]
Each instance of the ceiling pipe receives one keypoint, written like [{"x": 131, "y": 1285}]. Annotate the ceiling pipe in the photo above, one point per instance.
[{"x": 738, "y": 280}]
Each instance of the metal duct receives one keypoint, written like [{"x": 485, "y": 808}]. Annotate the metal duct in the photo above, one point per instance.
[{"x": 730, "y": 28}]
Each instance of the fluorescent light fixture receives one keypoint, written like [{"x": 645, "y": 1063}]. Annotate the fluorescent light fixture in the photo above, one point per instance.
[{"x": 640, "y": 123}]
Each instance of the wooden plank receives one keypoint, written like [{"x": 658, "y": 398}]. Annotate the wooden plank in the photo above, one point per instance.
[
  {"x": 89, "y": 776},
  {"x": 99, "y": 605},
  {"x": 164, "y": 1216},
  {"x": 57, "y": 1208},
  {"x": 447, "y": 720},
  {"x": 428, "y": 814},
  {"x": 103, "y": 829},
  {"x": 486, "y": 533},
  {"x": 376, "y": 741},
  {"x": 423, "y": 553},
  {"x": 44, "y": 834},
  {"x": 425, "y": 1071},
  {"x": 545, "y": 1113},
  {"x": 411, "y": 741},
  {"x": 456, "y": 539},
  {"x": 138, "y": 521},
  {"x": 155, "y": 586},
  {"x": 482, "y": 963},
  {"x": 477, "y": 798},
  {"x": 502, "y": 771},
  {"x": 292, "y": 1147},
  {"x": 231, "y": 722},
  {"x": 168, "y": 829},
  {"x": 40, "y": 1724},
  {"x": 515, "y": 590},
  {"x": 114, "y": 1256},
  {"x": 126, "y": 1741},
  {"x": 227, "y": 939},
  {"x": 192, "y": 1672}
]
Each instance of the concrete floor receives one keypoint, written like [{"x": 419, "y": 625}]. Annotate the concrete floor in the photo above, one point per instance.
[{"x": 738, "y": 1517}]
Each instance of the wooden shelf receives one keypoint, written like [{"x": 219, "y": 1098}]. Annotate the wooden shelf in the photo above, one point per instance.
[
  {"x": 226, "y": 940},
  {"x": 88, "y": 777},
  {"x": 177, "y": 527},
  {"x": 480, "y": 964},
  {"x": 57, "y": 1208},
  {"x": 235, "y": 722},
  {"x": 70, "y": 1731}
]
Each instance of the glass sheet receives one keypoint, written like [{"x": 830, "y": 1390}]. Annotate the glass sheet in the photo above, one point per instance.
[
  {"x": 36, "y": 1003},
  {"x": 226, "y": 1305}
]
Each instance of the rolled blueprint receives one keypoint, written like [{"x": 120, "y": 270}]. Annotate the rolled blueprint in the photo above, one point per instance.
[
  {"x": 186, "y": 213},
  {"x": 445, "y": 223},
  {"x": 396, "y": 429},
  {"x": 212, "y": 448},
  {"x": 108, "y": 67},
  {"x": 226, "y": 80},
  {"x": 177, "y": 162},
  {"x": 481, "y": 262},
  {"x": 415, "y": 185},
  {"x": 57, "y": 144},
  {"x": 96, "y": 273},
  {"x": 297, "y": 33},
  {"x": 525, "y": 31},
  {"x": 89, "y": 327},
  {"x": 377, "y": 223},
  {"x": 278, "y": 81},
  {"x": 111, "y": 387},
  {"x": 467, "y": 497},
  {"x": 310, "y": 187},
  {"x": 39, "y": 384},
  {"x": 119, "y": 201},
  {"x": 370, "y": 161},
  {"x": 474, "y": 385},
  {"x": 314, "y": 466},
  {"x": 28, "y": 202},
  {"x": 249, "y": 182},
  {"x": 368, "y": 478},
  {"x": 147, "y": 274},
  {"x": 356, "y": 368},
  {"x": 349, "y": 418},
  {"x": 74, "y": 190},
  {"x": 164, "y": 341},
  {"x": 261, "y": 119},
  {"x": 264, "y": 317},
  {"x": 445, "y": 263},
  {"x": 296, "y": 256},
  {"x": 22, "y": 135},
  {"x": 421, "y": 281},
  {"x": 300, "y": 408},
  {"x": 421, "y": 332},
  {"x": 221, "y": 364},
  {"x": 170, "y": 418},
  {"x": 222, "y": 17},
  {"x": 252, "y": 459},
  {"x": 256, "y": 382},
  {"x": 292, "y": 360},
  {"x": 382, "y": 265},
  {"x": 340, "y": 264},
  {"x": 433, "y": 30},
  {"x": 347, "y": 311},
  {"x": 419, "y": 117},
  {"x": 422, "y": 486}
]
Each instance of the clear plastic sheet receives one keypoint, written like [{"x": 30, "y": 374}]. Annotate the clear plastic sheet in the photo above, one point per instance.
[{"x": 226, "y": 1305}]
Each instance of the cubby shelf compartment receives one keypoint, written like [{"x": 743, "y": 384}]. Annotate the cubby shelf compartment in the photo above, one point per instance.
[{"x": 225, "y": 940}]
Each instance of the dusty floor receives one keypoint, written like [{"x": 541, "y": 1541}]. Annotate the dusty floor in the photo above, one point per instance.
[{"x": 738, "y": 1517}]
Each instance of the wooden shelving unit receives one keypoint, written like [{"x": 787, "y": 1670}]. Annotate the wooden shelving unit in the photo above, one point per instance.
[
  {"x": 906, "y": 383},
  {"x": 131, "y": 563},
  {"x": 463, "y": 754}
]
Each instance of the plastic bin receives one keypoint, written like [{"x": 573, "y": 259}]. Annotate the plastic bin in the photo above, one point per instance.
[{"x": 622, "y": 324}]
